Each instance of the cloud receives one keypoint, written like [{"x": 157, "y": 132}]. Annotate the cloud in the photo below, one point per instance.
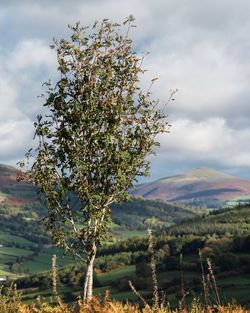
[
  {"x": 31, "y": 63},
  {"x": 22, "y": 72},
  {"x": 211, "y": 141},
  {"x": 200, "y": 47},
  {"x": 210, "y": 81},
  {"x": 15, "y": 136},
  {"x": 202, "y": 137},
  {"x": 8, "y": 94},
  {"x": 15, "y": 126},
  {"x": 31, "y": 55}
]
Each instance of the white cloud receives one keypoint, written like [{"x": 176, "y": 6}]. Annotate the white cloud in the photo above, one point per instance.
[
  {"x": 209, "y": 81},
  {"x": 200, "y": 47},
  {"x": 22, "y": 72},
  {"x": 15, "y": 136},
  {"x": 201, "y": 137},
  {"x": 211, "y": 140},
  {"x": 8, "y": 93},
  {"x": 30, "y": 56},
  {"x": 15, "y": 126}
]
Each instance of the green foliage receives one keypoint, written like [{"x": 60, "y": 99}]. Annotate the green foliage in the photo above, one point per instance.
[
  {"x": 143, "y": 269},
  {"x": 220, "y": 222},
  {"x": 129, "y": 260},
  {"x": 140, "y": 213}
]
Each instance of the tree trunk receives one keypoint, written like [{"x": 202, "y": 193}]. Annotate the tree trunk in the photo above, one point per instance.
[{"x": 88, "y": 283}]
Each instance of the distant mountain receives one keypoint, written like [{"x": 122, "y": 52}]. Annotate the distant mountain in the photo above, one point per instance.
[
  {"x": 26, "y": 240},
  {"x": 200, "y": 186},
  {"x": 20, "y": 199}
]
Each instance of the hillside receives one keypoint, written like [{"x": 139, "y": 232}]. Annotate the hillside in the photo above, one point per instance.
[
  {"x": 198, "y": 187},
  {"x": 25, "y": 241},
  {"x": 138, "y": 210},
  {"x": 223, "y": 236},
  {"x": 20, "y": 210},
  {"x": 19, "y": 199},
  {"x": 13, "y": 193}
]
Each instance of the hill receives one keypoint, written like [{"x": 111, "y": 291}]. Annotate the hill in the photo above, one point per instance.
[
  {"x": 13, "y": 193},
  {"x": 25, "y": 241},
  {"x": 139, "y": 214},
  {"x": 19, "y": 200},
  {"x": 223, "y": 236},
  {"x": 202, "y": 186}
]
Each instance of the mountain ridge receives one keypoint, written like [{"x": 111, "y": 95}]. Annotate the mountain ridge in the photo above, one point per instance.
[
  {"x": 201, "y": 183},
  {"x": 20, "y": 199}
]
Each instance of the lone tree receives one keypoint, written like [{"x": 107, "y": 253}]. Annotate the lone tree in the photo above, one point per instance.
[{"x": 94, "y": 142}]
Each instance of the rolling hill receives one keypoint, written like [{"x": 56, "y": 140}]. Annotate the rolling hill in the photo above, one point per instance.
[
  {"x": 11, "y": 192},
  {"x": 198, "y": 187},
  {"x": 223, "y": 236},
  {"x": 24, "y": 241},
  {"x": 19, "y": 198}
]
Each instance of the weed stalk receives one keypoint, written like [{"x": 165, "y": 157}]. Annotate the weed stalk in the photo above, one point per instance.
[
  {"x": 54, "y": 283},
  {"x": 138, "y": 295},
  {"x": 154, "y": 276},
  {"x": 182, "y": 286},
  {"x": 217, "y": 298},
  {"x": 204, "y": 282}
]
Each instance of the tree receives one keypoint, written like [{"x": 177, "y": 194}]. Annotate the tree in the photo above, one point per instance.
[
  {"x": 94, "y": 141},
  {"x": 143, "y": 270}
]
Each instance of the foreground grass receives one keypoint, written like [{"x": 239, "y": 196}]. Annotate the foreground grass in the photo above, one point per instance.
[
  {"x": 11, "y": 303},
  {"x": 231, "y": 288}
]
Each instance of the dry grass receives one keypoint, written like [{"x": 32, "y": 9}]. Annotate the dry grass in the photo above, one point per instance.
[{"x": 11, "y": 303}]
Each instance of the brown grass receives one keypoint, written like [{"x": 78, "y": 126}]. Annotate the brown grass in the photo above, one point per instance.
[{"x": 11, "y": 303}]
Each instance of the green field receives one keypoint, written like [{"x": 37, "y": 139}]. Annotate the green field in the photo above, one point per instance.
[
  {"x": 42, "y": 262},
  {"x": 105, "y": 279},
  {"x": 3, "y": 194},
  {"x": 239, "y": 280},
  {"x": 24, "y": 193},
  {"x": 237, "y": 200},
  {"x": 110, "y": 277},
  {"x": 126, "y": 234},
  {"x": 16, "y": 252},
  {"x": 231, "y": 287},
  {"x": 15, "y": 239},
  {"x": 128, "y": 295},
  {"x": 5, "y": 273}
]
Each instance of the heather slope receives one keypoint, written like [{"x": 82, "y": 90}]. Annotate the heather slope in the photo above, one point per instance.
[
  {"x": 202, "y": 183},
  {"x": 14, "y": 193}
]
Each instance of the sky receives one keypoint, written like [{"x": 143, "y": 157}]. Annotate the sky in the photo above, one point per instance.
[{"x": 200, "y": 47}]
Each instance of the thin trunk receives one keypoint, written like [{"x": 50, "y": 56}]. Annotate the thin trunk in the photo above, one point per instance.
[{"x": 88, "y": 283}]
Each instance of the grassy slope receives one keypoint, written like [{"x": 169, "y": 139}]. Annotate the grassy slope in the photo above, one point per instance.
[
  {"x": 236, "y": 287},
  {"x": 42, "y": 262},
  {"x": 139, "y": 217},
  {"x": 20, "y": 211},
  {"x": 231, "y": 285},
  {"x": 46, "y": 256}
]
